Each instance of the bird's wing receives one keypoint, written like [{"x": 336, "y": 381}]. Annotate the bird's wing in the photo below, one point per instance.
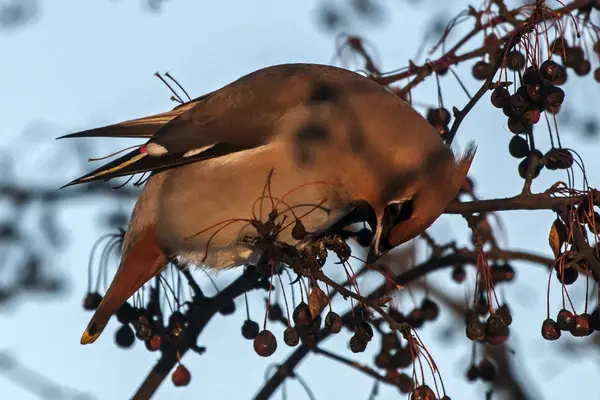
[{"x": 240, "y": 116}]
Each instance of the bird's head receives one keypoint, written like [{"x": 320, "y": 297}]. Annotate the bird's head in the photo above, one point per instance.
[{"x": 415, "y": 205}]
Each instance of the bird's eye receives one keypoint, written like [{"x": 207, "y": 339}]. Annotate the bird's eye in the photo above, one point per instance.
[{"x": 399, "y": 212}]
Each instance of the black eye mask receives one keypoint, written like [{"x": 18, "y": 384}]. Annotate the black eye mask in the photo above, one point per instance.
[{"x": 394, "y": 214}]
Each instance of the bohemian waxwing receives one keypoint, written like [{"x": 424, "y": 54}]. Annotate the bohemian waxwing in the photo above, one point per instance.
[{"x": 317, "y": 143}]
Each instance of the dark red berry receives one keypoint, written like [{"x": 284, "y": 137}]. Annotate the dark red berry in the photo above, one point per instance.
[
  {"x": 534, "y": 156},
  {"x": 555, "y": 96},
  {"x": 482, "y": 70},
  {"x": 333, "y": 322},
  {"x": 516, "y": 125},
  {"x": 275, "y": 313},
  {"x": 487, "y": 370},
  {"x": 301, "y": 315},
  {"x": 500, "y": 97},
  {"x": 429, "y": 309},
  {"x": 298, "y": 231},
  {"x": 517, "y": 105},
  {"x": 568, "y": 277},
  {"x": 125, "y": 313},
  {"x": 181, "y": 376},
  {"x": 358, "y": 343},
  {"x": 495, "y": 326},
  {"x": 596, "y": 47},
  {"x": 459, "y": 274},
  {"x": 475, "y": 329},
  {"x": 438, "y": 116},
  {"x": 405, "y": 383},
  {"x": 531, "y": 76},
  {"x": 515, "y": 60},
  {"x": 383, "y": 360},
  {"x": 91, "y": 301},
  {"x": 504, "y": 312},
  {"x": 531, "y": 117},
  {"x": 442, "y": 130},
  {"x": 550, "y": 70},
  {"x": 250, "y": 329},
  {"x": 595, "y": 319},
  {"x": 565, "y": 320},
  {"x": 473, "y": 373},
  {"x": 125, "y": 336},
  {"x": 365, "y": 330},
  {"x": 422, "y": 392},
  {"x": 558, "y": 159},
  {"x": 597, "y": 74},
  {"x": 573, "y": 56},
  {"x": 265, "y": 343},
  {"x": 390, "y": 342},
  {"x": 583, "y": 68},
  {"x": 581, "y": 325},
  {"x": 415, "y": 318},
  {"x": 402, "y": 358},
  {"x": 549, "y": 330},
  {"x": 227, "y": 309},
  {"x": 154, "y": 343},
  {"x": 291, "y": 337}
]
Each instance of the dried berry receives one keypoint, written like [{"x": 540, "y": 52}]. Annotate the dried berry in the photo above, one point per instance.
[
  {"x": 275, "y": 313},
  {"x": 125, "y": 313},
  {"x": 91, "y": 301},
  {"x": 405, "y": 383},
  {"x": 573, "y": 56},
  {"x": 333, "y": 322},
  {"x": 500, "y": 97},
  {"x": 565, "y": 320},
  {"x": 504, "y": 312},
  {"x": 487, "y": 370},
  {"x": 558, "y": 159},
  {"x": 415, "y": 318},
  {"x": 531, "y": 116},
  {"x": 459, "y": 274},
  {"x": 550, "y": 70},
  {"x": 568, "y": 276},
  {"x": 581, "y": 325},
  {"x": 402, "y": 358},
  {"x": 291, "y": 337},
  {"x": 181, "y": 376},
  {"x": 515, "y": 60},
  {"x": 495, "y": 326},
  {"x": 390, "y": 342},
  {"x": 358, "y": 343},
  {"x": 422, "y": 392},
  {"x": 301, "y": 315},
  {"x": 517, "y": 105},
  {"x": 125, "y": 336},
  {"x": 438, "y": 116},
  {"x": 516, "y": 125},
  {"x": 524, "y": 165},
  {"x": 475, "y": 329},
  {"x": 550, "y": 330},
  {"x": 227, "y": 309},
  {"x": 473, "y": 373},
  {"x": 482, "y": 70},
  {"x": 383, "y": 360},
  {"x": 154, "y": 343},
  {"x": 597, "y": 74},
  {"x": 250, "y": 329},
  {"x": 429, "y": 309},
  {"x": 298, "y": 231},
  {"x": 265, "y": 343},
  {"x": 583, "y": 68},
  {"x": 555, "y": 96}
]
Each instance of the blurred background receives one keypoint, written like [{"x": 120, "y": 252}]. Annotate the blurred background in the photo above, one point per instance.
[{"x": 71, "y": 65}]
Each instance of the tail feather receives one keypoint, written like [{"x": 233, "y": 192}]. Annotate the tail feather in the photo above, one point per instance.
[
  {"x": 142, "y": 262},
  {"x": 136, "y": 128}
]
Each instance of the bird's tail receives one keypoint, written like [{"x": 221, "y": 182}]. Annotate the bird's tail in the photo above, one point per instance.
[{"x": 143, "y": 260}]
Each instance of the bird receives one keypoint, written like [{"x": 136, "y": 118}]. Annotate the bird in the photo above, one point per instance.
[{"x": 307, "y": 143}]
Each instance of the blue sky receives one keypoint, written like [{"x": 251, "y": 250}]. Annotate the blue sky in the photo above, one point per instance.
[{"x": 85, "y": 64}]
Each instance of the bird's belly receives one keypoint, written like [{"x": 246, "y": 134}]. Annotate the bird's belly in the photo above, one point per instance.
[{"x": 206, "y": 209}]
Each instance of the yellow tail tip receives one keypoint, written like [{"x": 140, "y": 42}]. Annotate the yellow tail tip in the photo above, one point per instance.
[{"x": 90, "y": 334}]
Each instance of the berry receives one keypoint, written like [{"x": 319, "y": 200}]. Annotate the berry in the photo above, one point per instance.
[
  {"x": 583, "y": 68},
  {"x": 333, "y": 322},
  {"x": 364, "y": 237},
  {"x": 91, "y": 301},
  {"x": 442, "y": 130},
  {"x": 531, "y": 76},
  {"x": 154, "y": 343},
  {"x": 597, "y": 74},
  {"x": 429, "y": 309},
  {"x": 531, "y": 116},
  {"x": 415, "y": 318},
  {"x": 358, "y": 343},
  {"x": 524, "y": 165},
  {"x": 482, "y": 70},
  {"x": 265, "y": 343},
  {"x": 390, "y": 342},
  {"x": 181, "y": 376},
  {"x": 405, "y": 383},
  {"x": 475, "y": 329},
  {"x": 515, "y": 60},
  {"x": 228, "y": 308},
  {"x": 301, "y": 315},
  {"x": 473, "y": 373},
  {"x": 596, "y": 47},
  {"x": 438, "y": 116},
  {"x": 298, "y": 231},
  {"x": 594, "y": 319},
  {"x": 383, "y": 360},
  {"x": 517, "y": 105},
  {"x": 500, "y": 97},
  {"x": 275, "y": 313},
  {"x": 495, "y": 327},
  {"x": 487, "y": 370},
  {"x": 565, "y": 320},
  {"x": 568, "y": 277},
  {"x": 504, "y": 312},
  {"x": 516, "y": 125},
  {"x": 459, "y": 274},
  {"x": 581, "y": 325},
  {"x": 550, "y": 330},
  {"x": 558, "y": 159},
  {"x": 423, "y": 392},
  {"x": 125, "y": 337},
  {"x": 250, "y": 329},
  {"x": 535, "y": 93},
  {"x": 291, "y": 337},
  {"x": 402, "y": 358},
  {"x": 555, "y": 96},
  {"x": 550, "y": 70},
  {"x": 125, "y": 313},
  {"x": 573, "y": 57}
]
